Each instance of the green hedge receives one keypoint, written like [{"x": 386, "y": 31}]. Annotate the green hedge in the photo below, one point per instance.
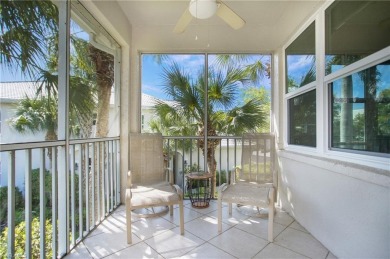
[{"x": 20, "y": 240}]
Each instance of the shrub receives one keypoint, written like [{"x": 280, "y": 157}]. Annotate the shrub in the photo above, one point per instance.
[
  {"x": 20, "y": 240},
  {"x": 36, "y": 189},
  {"x": 223, "y": 177},
  {"x": 19, "y": 202}
]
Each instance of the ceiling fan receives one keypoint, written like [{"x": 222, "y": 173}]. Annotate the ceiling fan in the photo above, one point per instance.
[{"x": 203, "y": 9}]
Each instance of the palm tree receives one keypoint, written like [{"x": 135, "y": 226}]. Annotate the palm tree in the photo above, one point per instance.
[
  {"x": 29, "y": 40},
  {"x": 186, "y": 113}
]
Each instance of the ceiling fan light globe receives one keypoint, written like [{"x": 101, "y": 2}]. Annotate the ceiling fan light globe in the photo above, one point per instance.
[{"x": 203, "y": 9}]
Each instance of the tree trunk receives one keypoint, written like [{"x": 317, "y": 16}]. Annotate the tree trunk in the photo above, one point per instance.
[
  {"x": 104, "y": 65},
  {"x": 211, "y": 146},
  {"x": 51, "y": 135}
]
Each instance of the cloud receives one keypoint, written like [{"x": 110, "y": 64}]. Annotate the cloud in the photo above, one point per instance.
[
  {"x": 298, "y": 62},
  {"x": 151, "y": 88}
]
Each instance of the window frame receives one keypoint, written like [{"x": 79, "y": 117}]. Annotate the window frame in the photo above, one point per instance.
[
  {"x": 323, "y": 148},
  {"x": 365, "y": 63}
]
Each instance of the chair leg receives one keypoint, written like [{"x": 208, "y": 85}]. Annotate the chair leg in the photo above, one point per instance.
[
  {"x": 230, "y": 208},
  {"x": 128, "y": 223},
  {"x": 171, "y": 210},
  {"x": 271, "y": 211},
  {"x": 219, "y": 213},
  {"x": 181, "y": 211}
]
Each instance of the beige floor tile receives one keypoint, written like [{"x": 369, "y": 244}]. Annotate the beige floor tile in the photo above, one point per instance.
[
  {"x": 140, "y": 250},
  {"x": 259, "y": 227},
  {"x": 275, "y": 251},
  {"x": 108, "y": 243},
  {"x": 205, "y": 227},
  {"x": 297, "y": 226},
  {"x": 302, "y": 243},
  {"x": 110, "y": 225},
  {"x": 79, "y": 252},
  {"x": 189, "y": 214},
  {"x": 145, "y": 228},
  {"x": 171, "y": 244},
  {"x": 331, "y": 256},
  {"x": 236, "y": 217},
  {"x": 283, "y": 218},
  {"x": 207, "y": 251},
  {"x": 239, "y": 243},
  {"x": 210, "y": 208}
]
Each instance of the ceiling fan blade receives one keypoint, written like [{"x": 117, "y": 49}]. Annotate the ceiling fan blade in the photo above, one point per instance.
[
  {"x": 183, "y": 22},
  {"x": 229, "y": 16}
]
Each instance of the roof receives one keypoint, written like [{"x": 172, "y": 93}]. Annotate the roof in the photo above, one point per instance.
[
  {"x": 15, "y": 91},
  {"x": 18, "y": 90}
]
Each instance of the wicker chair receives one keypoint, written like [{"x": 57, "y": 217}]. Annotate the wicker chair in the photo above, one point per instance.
[
  {"x": 147, "y": 180},
  {"x": 255, "y": 182}
]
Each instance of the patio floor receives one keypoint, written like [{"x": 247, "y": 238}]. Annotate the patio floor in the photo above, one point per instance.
[{"x": 242, "y": 237}]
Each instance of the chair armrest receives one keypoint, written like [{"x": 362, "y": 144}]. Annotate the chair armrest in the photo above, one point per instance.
[
  {"x": 178, "y": 190},
  {"x": 221, "y": 188},
  {"x": 129, "y": 179}
]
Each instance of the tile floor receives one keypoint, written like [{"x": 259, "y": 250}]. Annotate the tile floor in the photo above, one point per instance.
[{"x": 242, "y": 237}]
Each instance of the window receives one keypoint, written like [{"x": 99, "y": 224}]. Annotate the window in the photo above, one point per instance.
[
  {"x": 301, "y": 71},
  {"x": 300, "y": 60},
  {"x": 302, "y": 119},
  {"x": 93, "y": 100},
  {"x": 354, "y": 30},
  {"x": 360, "y": 110}
]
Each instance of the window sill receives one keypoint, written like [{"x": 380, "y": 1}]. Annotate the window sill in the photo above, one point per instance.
[{"x": 375, "y": 170}]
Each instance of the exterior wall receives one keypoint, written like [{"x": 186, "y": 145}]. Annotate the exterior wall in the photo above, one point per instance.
[
  {"x": 345, "y": 206},
  {"x": 341, "y": 198},
  {"x": 9, "y": 135}
]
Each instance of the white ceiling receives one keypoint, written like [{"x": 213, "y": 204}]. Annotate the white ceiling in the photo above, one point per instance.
[{"x": 268, "y": 26}]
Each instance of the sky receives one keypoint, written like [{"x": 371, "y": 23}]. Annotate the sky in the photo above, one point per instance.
[{"x": 151, "y": 79}]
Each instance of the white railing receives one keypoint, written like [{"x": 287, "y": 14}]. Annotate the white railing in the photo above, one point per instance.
[
  {"x": 92, "y": 188},
  {"x": 185, "y": 156}
]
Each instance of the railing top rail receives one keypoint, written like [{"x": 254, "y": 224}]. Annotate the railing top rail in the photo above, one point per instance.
[
  {"x": 46, "y": 144},
  {"x": 30, "y": 145},
  {"x": 199, "y": 137}
]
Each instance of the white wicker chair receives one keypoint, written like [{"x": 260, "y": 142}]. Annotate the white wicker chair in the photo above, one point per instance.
[
  {"x": 147, "y": 181},
  {"x": 255, "y": 182}
]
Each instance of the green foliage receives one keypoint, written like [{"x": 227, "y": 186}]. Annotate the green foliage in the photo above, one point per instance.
[
  {"x": 19, "y": 201},
  {"x": 20, "y": 240},
  {"x": 223, "y": 178}
]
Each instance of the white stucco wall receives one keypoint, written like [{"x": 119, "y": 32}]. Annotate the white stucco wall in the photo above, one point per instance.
[
  {"x": 344, "y": 205},
  {"x": 10, "y": 135}
]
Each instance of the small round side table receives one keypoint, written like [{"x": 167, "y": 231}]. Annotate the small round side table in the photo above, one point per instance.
[{"x": 199, "y": 189}]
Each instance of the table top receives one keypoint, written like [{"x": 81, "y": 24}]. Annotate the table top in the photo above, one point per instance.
[{"x": 199, "y": 175}]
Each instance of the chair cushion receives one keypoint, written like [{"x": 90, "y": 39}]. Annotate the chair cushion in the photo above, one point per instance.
[
  {"x": 247, "y": 194},
  {"x": 153, "y": 195}
]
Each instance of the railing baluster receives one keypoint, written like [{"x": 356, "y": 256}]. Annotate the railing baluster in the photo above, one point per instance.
[
  {"x": 220, "y": 160},
  {"x": 80, "y": 168},
  {"x": 98, "y": 181},
  {"x": 11, "y": 205},
  {"x": 103, "y": 176},
  {"x": 111, "y": 175},
  {"x": 93, "y": 182},
  {"x": 227, "y": 161},
  {"x": 117, "y": 171},
  {"x": 86, "y": 162},
  {"x": 42, "y": 205},
  {"x": 54, "y": 188},
  {"x": 106, "y": 170},
  {"x": 73, "y": 193},
  {"x": 28, "y": 202}
]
